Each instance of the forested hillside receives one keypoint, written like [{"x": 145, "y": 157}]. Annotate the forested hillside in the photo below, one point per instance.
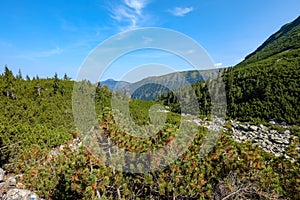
[
  {"x": 286, "y": 39},
  {"x": 35, "y": 113},
  {"x": 264, "y": 86}
]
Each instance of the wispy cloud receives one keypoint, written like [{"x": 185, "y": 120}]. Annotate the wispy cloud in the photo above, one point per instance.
[
  {"x": 48, "y": 53},
  {"x": 129, "y": 12},
  {"x": 42, "y": 54},
  {"x": 137, "y": 5},
  {"x": 180, "y": 12}
]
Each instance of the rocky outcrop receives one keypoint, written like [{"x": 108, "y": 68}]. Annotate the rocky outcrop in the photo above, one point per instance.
[
  {"x": 11, "y": 189},
  {"x": 20, "y": 194},
  {"x": 273, "y": 138},
  {"x": 269, "y": 139}
]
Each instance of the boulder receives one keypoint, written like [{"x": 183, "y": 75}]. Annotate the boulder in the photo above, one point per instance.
[
  {"x": 253, "y": 128},
  {"x": 262, "y": 127},
  {"x": 20, "y": 194},
  {"x": 12, "y": 181},
  {"x": 272, "y": 122},
  {"x": 273, "y": 132},
  {"x": 243, "y": 127}
]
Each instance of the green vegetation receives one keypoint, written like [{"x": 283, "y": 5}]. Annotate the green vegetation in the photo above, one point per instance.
[
  {"x": 264, "y": 86},
  {"x": 37, "y": 134},
  {"x": 39, "y": 121},
  {"x": 33, "y": 112}
]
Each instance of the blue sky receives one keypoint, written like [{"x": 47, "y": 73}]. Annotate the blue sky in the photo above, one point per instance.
[{"x": 44, "y": 37}]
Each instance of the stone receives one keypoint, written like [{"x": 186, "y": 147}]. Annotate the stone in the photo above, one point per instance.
[
  {"x": 11, "y": 181},
  {"x": 264, "y": 128},
  {"x": 253, "y": 128},
  {"x": 2, "y": 173},
  {"x": 20, "y": 194},
  {"x": 2, "y": 185},
  {"x": 234, "y": 125},
  {"x": 20, "y": 186},
  {"x": 287, "y": 132},
  {"x": 272, "y": 122},
  {"x": 243, "y": 127},
  {"x": 286, "y": 142},
  {"x": 243, "y": 138}
]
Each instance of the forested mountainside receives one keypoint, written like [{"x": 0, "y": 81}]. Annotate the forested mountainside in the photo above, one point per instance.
[
  {"x": 265, "y": 85},
  {"x": 286, "y": 39}
]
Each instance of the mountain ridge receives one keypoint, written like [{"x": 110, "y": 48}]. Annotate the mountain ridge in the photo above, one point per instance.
[{"x": 282, "y": 40}]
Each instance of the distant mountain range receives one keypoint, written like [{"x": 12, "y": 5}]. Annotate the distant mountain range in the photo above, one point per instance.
[
  {"x": 115, "y": 85},
  {"x": 152, "y": 87}
]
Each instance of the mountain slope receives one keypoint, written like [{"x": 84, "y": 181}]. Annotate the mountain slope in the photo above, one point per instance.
[
  {"x": 286, "y": 39},
  {"x": 266, "y": 84},
  {"x": 152, "y": 87}
]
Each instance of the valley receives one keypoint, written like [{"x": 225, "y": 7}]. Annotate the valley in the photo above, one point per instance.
[{"x": 251, "y": 152}]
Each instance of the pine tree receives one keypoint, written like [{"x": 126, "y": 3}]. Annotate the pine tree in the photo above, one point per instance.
[{"x": 19, "y": 75}]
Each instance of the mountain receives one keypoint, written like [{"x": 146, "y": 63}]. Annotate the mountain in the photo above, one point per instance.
[
  {"x": 286, "y": 39},
  {"x": 115, "y": 85},
  {"x": 152, "y": 87},
  {"x": 262, "y": 87},
  {"x": 266, "y": 84}
]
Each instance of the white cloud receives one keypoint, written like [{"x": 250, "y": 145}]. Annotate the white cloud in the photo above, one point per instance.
[
  {"x": 130, "y": 12},
  {"x": 48, "y": 53},
  {"x": 218, "y": 64},
  {"x": 42, "y": 54},
  {"x": 180, "y": 12},
  {"x": 137, "y": 5}
]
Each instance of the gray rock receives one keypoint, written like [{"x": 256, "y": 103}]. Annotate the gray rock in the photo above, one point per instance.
[
  {"x": 234, "y": 125},
  {"x": 272, "y": 122},
  {"x": 263, "y": 129},
  {"x": 2, "y": 173},
  {"x": 2, "y": 185},
  {"x": 253, "y": 128},
  {"x": 286, "y": 142},
  {"x": 243, "y": 127},
  {"x": 11, "y": 181},
  {"x": 273, "y": 132},
  {"x": 243, "y": 138},
  {"x": 19, "y": 194}
]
